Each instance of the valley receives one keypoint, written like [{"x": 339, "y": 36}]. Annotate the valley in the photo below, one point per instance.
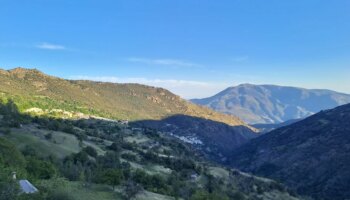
[
  {"x": 85, "y": 155},
  {"x": 169, "y": 149},
  {"x": 174, "y": 100}
]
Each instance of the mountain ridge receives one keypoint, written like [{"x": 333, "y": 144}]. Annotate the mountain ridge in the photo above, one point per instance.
[
  {"x": 42, "y": 85},
  {"x": 31, "y": 89},
  {"x": 310, "y": 155},
  {"x": 272, "y": 103}
]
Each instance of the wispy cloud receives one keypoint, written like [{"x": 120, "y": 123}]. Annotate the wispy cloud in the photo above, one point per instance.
[
  {"x": 185, "y": 88},
  {"x": 50, "y": 46},
  {"x": 166, "y": 62}
]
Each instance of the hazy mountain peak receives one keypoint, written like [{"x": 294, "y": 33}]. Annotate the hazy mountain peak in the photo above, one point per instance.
[{"x": 272, "y": 103}]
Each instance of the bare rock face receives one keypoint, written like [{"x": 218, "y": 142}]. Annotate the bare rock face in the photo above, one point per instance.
[{"x": 311, "y": 156}]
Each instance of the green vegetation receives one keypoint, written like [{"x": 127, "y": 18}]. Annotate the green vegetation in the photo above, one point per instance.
[
  {"x": 53, "y": 96},
  {"x": 101, "y": 159},
  {"x": 48, "y": 98},
  {"x": 309, "y": 156}
]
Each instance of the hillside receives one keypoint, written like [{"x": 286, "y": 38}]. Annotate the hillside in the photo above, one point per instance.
[
  {"x": 103, "y": 159},
  {"x": 118, "y": 101},
  {"x": 264, "y": 128},
  {"x": 36, "y": 92},
  {"x": 272, "y": 104},
  {"x": 217, "y": 140},
  {"x": 311, "y": 155}
]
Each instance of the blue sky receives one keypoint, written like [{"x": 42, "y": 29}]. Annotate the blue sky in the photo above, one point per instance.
[{"x": 191, "y": 47}]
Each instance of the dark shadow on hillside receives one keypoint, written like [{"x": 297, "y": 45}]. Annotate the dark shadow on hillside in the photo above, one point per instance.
[
  {"x": 309, "y": 155},
  {"x": 88, "y": 166},
  {"x": 100, "y": 153},
  {"x": 217, "y": 138}
]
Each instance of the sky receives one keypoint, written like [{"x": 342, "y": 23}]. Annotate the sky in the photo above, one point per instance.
[{"x": 194, "y": 48}]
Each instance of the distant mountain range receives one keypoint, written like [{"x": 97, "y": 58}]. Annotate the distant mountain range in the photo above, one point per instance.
[
  {"x": 33, "y": 90},
  {"x": 272, "y": 104},
  {"x": 311, "y": 156}
]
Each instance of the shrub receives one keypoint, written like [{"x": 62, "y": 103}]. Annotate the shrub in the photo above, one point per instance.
[
  {"x": 90, "y": 151},
  {"x": 129, "y": 156},
  {"x": 40, "y": 169},
  {"x": 48, "y": 136},
  {"x": 113, "y": 177},
  {"x": 60, "y": 195}
]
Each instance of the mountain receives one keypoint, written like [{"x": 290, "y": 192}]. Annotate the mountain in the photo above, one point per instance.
[
  {"x": 34, "y": 91},
  {"x": 217, "y": 140},
  {"x": 312, "y": 155},
  {"x": 264, "y": 128},
  {"x": 272, "y": 104},
  {"x": 93, "y": 158}
]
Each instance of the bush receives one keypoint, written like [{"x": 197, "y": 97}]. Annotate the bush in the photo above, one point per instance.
[
  {"x": 60, "y": 195},
  {"x": 129, "y": 156},
  {"x": 113, "y": 177},
  {"x": 10, "y": 155},
  {"x": 90, "y": 151},
  {"x": 132, "y": 189},
  {"x": 48, "y": 136},
  {"x": 40, "y": 169},
  {"x": 8, "y": 189},
  {"x": 204, "y": 195},
  {"x": 7, "y": 131}
]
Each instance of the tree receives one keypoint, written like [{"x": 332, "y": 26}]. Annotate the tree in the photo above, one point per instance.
[
  {"x": 90, "y": 151},
  {"x": 114, "y": 147},
  {"x": 113, "y": 177},
  {"x": 10, "y": 113},
  {"x": 48, "y": 136},
  {"x": 204, "y": 195},
  {"x": 40, "y": 169},
  {"x": 11, "y": 160},
  {"x": 81, "y": 157},
  {"x": 9, "y": 154},
  {"x": 8, "y": 187},
  {"x": 131, "y": 189}
]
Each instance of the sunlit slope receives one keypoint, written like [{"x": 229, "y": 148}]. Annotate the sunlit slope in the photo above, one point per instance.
[{"x": 31, "y": 88}]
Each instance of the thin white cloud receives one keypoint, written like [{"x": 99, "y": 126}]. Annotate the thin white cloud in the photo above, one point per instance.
[
  {"x": 185, "y": 88},
  {"x": 50, "y": 46},
  {"x": 166, "y": 62}
]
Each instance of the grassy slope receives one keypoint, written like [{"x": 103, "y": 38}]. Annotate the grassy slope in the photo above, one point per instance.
[
  {"x": 62, "y": 145},
  {"x": 30, "y": 134},
  {"x": 103, "y": 192},
  {"x": 31, "y": 88}
]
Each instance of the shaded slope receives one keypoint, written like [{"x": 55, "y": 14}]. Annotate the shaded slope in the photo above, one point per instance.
[
  {"x": 272, "y": 104},
  {"x": 163, "y": 166},
  {"x": 215, "y": 139},
  {"x": 133, "y": 102},
  {"x": 312, "y": 155},
  {"x": 264, "y": 128}
]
